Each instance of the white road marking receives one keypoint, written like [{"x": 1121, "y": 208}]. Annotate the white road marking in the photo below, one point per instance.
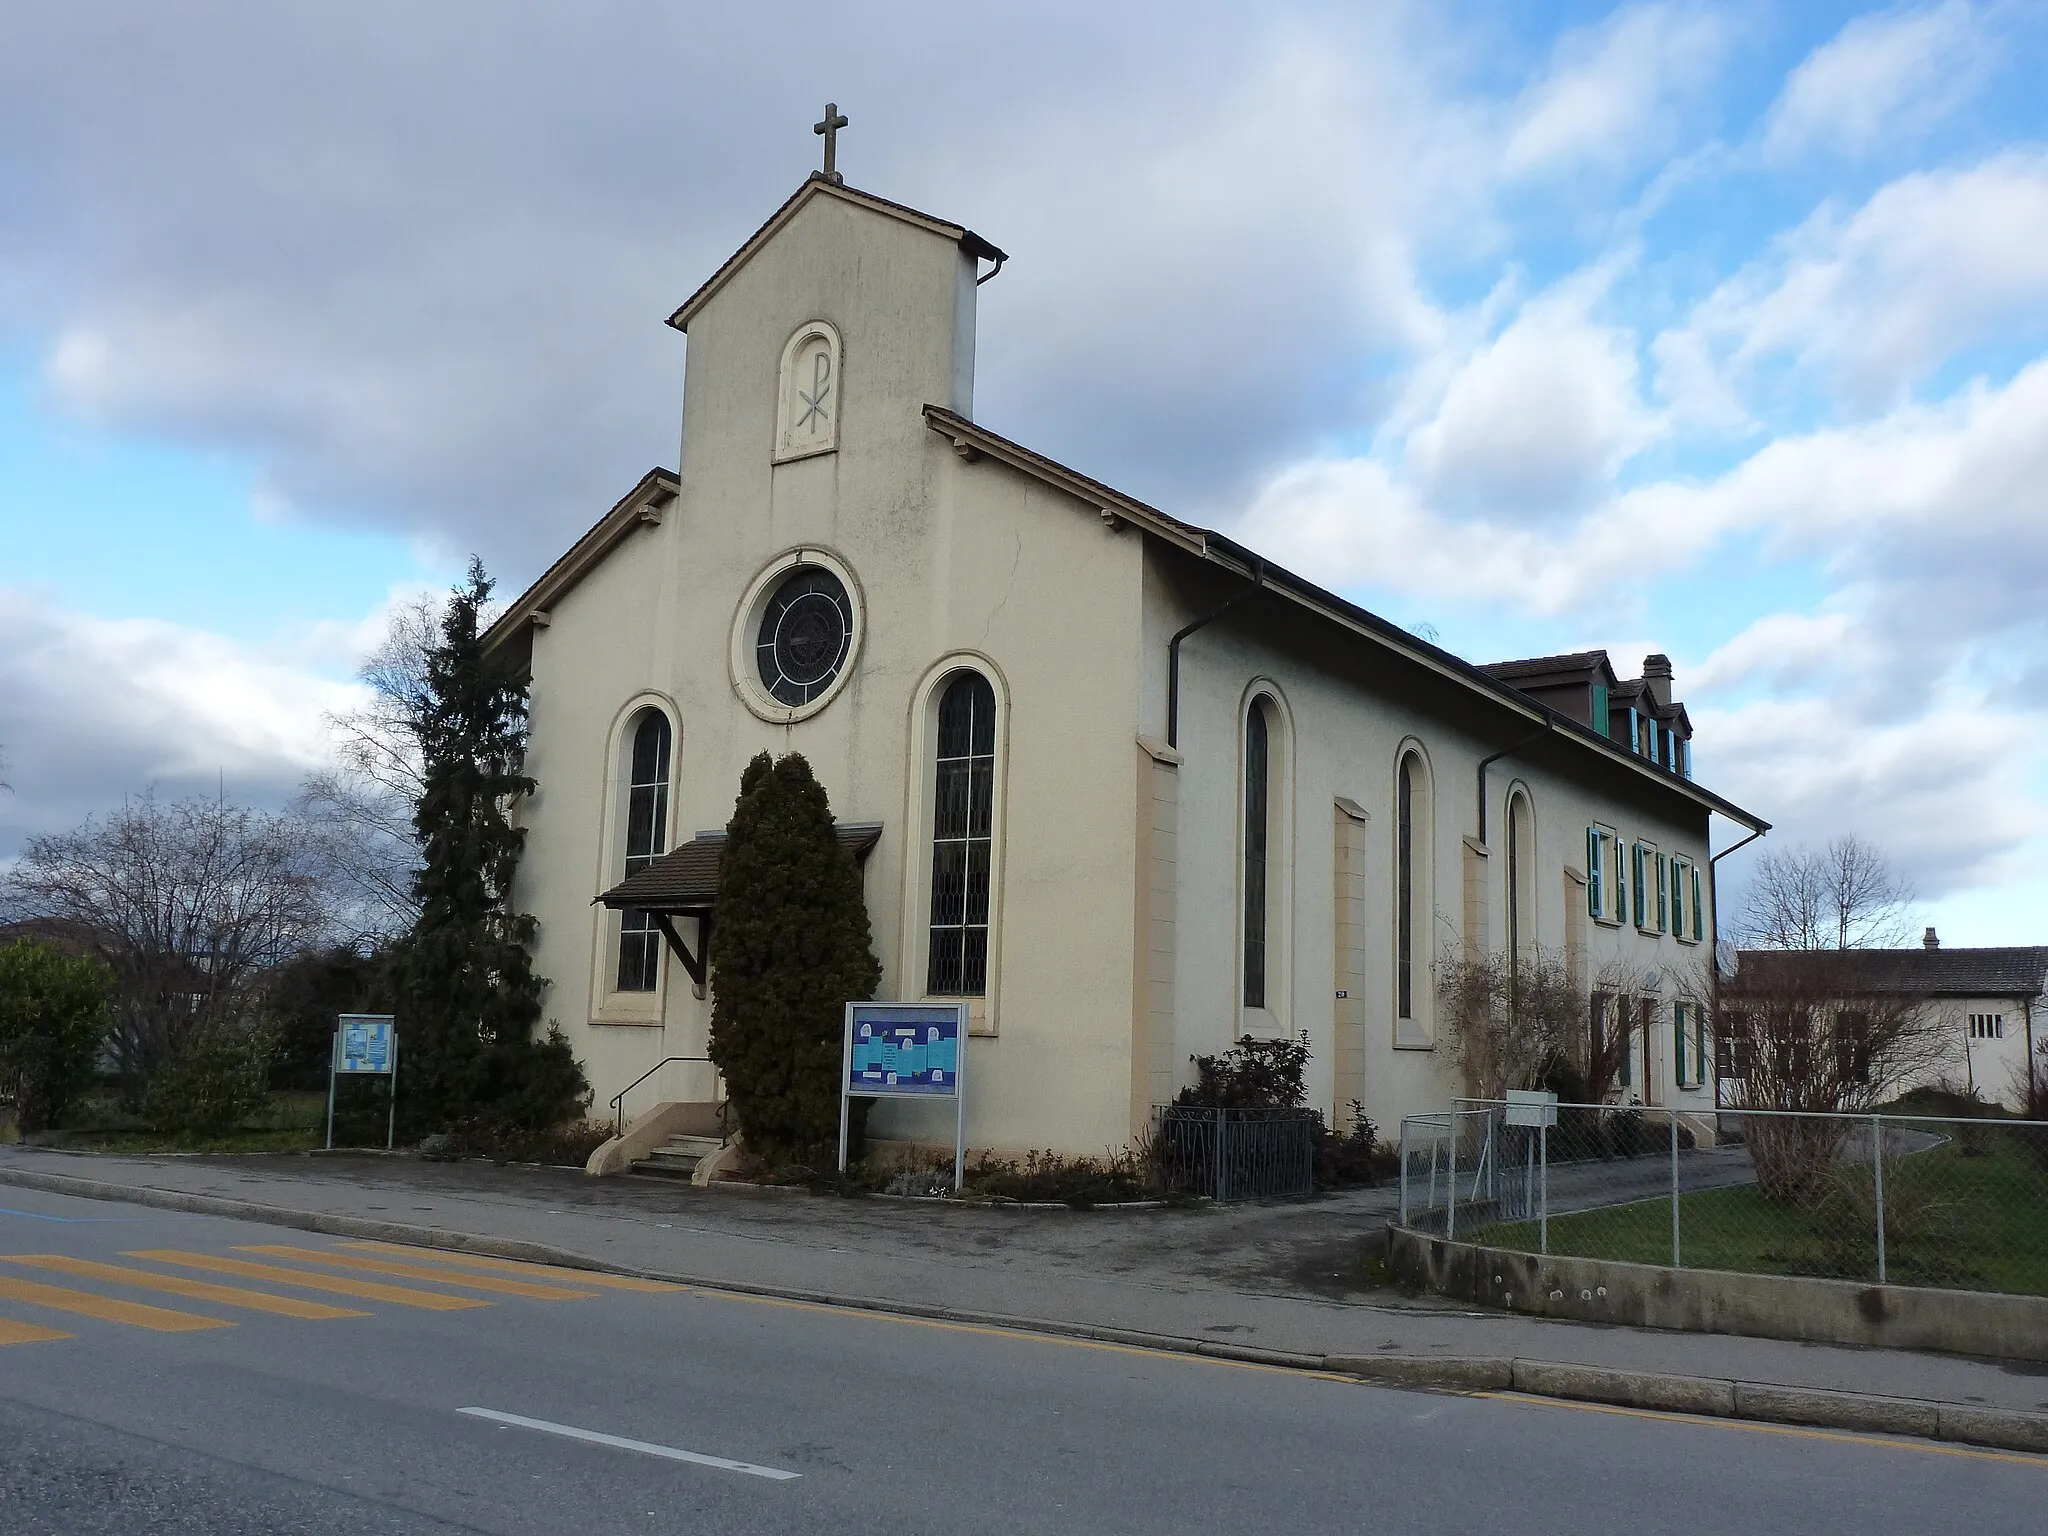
[{"x": 619, "y": 1442}]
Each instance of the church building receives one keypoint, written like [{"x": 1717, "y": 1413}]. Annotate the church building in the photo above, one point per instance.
[{"x": 1125, "y": 787}]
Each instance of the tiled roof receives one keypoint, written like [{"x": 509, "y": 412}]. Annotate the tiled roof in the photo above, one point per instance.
[
  {"x": 686, "y": 880},
  {"x": 2020, "y": 971},
  {"x": 1534, "y": 666}
]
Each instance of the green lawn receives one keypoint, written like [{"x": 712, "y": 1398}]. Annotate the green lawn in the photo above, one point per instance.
[{"x": 1970, "y": 1214}]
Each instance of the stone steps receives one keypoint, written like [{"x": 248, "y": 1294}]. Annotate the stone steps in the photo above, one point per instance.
[{"x": 677, "y": 1158}]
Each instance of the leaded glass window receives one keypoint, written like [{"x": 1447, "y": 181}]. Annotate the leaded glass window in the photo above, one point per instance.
[
  {"x": 963, "y": 838},
  {"x": 1404, "y": 895},
  {"x": 806, "y": 632},
  {"x": 646, "y": 841},
  {"x": 1257, "y": 817}
]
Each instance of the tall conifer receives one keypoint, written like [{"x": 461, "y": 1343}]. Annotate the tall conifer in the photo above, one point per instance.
[
  {"x": 790, "y": 948},
  {"x": 468, "y": 996}
]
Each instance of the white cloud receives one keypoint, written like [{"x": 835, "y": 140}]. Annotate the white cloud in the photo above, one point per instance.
[
  {"x": 1945, "y": 793},
  {"x": 1540, "y": 418},
  {"x": 1869, "y": 305},
  {"x": 1881, "y": 78},
  {"x": 1782, "y": 649},
  {"x": 1614, "y": 92},
  {"x": 93, "y": 709}
]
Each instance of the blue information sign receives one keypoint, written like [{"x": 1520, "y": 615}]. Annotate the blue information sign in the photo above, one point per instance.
[
  {"x": 904, "y": 1048},
  {"x": 907, "y": 1051},
  {"x": 363, "y": 1043}
]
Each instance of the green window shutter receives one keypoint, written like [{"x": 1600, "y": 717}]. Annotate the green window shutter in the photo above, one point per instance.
[
  {"x": 1698, "y": 928},
  {"x": 1663, "y": 893},
  {"x": 1699, "y": 1036},
  {"x": 1593, "y": 870},
  {"x": 1678, "y": 1044},
  {"x": 1677, "y": 899},
  {"x": 1635, "y": 869},
  {"x": 1600, "y": 708}
]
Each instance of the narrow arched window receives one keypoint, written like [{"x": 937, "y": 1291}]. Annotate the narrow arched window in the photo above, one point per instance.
[
  {"x": 963, "y": 838},
  {"x": 1521, "y": 881},
  {"x": 1257, "y": 825},
  {"x": 646, "y": 841},
  {"x": 1404, "y": 894}
]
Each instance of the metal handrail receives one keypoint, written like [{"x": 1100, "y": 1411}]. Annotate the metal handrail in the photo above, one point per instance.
[{"x": 618, "y": 1100}]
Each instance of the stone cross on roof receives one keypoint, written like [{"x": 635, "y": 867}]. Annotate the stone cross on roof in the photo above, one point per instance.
[{"x": 834, "y": 121}]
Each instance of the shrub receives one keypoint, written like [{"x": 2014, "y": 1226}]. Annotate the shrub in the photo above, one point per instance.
[
  {"x": 218, "y": 1077},
  {"x": 1252, "y": 1074},
  {"x": 567, "y": 1145},
  {"x": 1355, "y": 1158},
  {"x": 1048, "y": 1176},
  {"x": 790, "y": 950},
  {"x": 53, "y": 1016}
]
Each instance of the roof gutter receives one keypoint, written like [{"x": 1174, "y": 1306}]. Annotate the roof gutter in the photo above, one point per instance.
[{"x": 1456, "y": 669}]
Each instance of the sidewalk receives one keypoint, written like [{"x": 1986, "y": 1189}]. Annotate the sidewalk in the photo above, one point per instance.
[{"x": 1286, "y": 1278}]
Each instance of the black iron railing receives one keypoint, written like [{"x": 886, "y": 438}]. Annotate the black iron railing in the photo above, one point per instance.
[
  {"x": 618, "y": 1100},
  {"x": 1235, "y": 1154}
]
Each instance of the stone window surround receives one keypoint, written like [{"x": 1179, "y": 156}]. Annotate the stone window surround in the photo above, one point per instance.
[
  {"x": 608, "y": 1005},
  {"x": 913, "y": 944}
]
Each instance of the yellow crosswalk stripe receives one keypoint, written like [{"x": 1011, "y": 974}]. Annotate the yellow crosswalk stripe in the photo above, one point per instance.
[
  {"x": 178, "y": 1285},
  {"x": 520, "y": 1267},
  {"x": 497, "y": 1283},
  {"x": 106, "y": 1308},
  {"x": 340, "y": 1285},
  {"x": 12, "y": 1332}
]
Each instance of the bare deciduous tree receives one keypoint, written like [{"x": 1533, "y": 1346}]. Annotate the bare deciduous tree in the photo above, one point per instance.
[
  {"x": 1508, "y": 1018},
  {"x": 362, "y": 807},
  {"x": 1845, "y": 895},
  {"x": 1603, "y": 1042},
  {"x": 188, "y": 902},
  {"x": 1813, "y": 1033}
]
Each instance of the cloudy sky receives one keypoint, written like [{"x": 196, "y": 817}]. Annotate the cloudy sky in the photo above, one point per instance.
[{"x": 1713, "y": 329}]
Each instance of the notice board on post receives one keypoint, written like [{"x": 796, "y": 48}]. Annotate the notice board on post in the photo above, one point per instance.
[
  {"x": 365, "y": 1045},
  {"x": 906, "y": 1051}
]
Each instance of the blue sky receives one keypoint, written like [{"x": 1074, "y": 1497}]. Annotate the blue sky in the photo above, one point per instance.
[
  {"x": 127, "y": 525},
  {"x": 1720, "y": 330}
]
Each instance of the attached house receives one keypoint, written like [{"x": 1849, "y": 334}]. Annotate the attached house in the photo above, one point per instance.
[{"x": 1990, "y": 1006}]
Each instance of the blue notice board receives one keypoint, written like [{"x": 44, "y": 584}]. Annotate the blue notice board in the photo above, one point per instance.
[
  {"x": 907, "y": 1049},
  {"x": 363, "y": 1043}
]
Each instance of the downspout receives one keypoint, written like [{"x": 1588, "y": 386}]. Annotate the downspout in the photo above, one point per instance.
[
  {"x": 1173, "y": 647},
  {"x": 1529, "y": 740},
  {"x": 1714, "y": 964}
]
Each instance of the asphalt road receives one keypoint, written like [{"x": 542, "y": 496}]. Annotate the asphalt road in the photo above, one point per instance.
[{"x": 158, "y": 1382}]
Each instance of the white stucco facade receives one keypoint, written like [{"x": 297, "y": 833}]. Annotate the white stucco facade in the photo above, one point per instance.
[{"x": 1117, "y": 861}]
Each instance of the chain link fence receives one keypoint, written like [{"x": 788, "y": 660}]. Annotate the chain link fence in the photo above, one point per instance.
[{"x": 1899, "y": 1199}]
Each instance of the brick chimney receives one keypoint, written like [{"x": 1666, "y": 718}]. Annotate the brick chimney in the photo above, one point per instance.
[
  {"x": 1657, "y": 675},
  {"x": 1932, "y": 940}
]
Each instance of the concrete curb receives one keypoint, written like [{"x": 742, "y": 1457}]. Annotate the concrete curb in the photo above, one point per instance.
[{"x": 1709, "y": 1397}]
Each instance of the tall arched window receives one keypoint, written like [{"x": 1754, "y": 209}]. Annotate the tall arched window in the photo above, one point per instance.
[
  {"x": 646, "y": 841},
  {"x": 1257, "y": 838},
  {"x": 1404, "y": 892},
  {"x": 1521, "y": 879},
  {"x": 963, "y": 838}
]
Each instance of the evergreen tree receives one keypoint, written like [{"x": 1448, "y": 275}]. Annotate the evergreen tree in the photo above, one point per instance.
[
  {"x": 53, "y": 1016},
  {"x": 790, "y": 949},
  {"x": 468, "y": 997}
]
